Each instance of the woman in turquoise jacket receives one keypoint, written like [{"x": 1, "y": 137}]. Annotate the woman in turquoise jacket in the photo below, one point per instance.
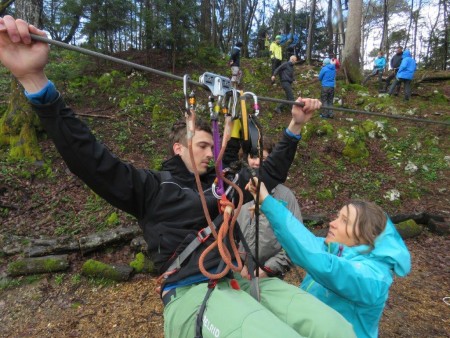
[{"x": 352, "y": 268}]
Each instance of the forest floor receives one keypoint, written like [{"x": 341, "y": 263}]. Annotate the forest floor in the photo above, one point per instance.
[{"x": 71, "y": 305}]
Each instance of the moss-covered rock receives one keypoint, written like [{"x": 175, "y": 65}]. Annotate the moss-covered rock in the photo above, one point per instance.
[
  {"x": 356, "y": 151},
  {"x": 142, "y": 264},
  {"x": 409, "y": 228}
]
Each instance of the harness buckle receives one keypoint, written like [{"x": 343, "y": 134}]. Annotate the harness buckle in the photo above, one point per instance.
[{"x": 203, "y": 235}]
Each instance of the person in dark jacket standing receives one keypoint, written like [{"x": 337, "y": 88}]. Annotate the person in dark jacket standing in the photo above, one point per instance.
[
  {"x": 167, "y": 206},
  {"x": 405, "y": 74},
  {"x": 286, "y": 73},
  {"x": 327, "y": 76},
  {"x": 395, "y": 62},
  {"x": 235, "y": 64}
]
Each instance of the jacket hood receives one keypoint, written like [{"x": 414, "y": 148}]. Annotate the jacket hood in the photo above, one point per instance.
[
  {"x": 390, "y": 248},
  {"x": 406, "y": 53}
]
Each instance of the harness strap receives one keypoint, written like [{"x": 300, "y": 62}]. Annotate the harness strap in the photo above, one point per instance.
[
  {"x": 201, "y": 237},
  {"x": 211, "y": 285}
]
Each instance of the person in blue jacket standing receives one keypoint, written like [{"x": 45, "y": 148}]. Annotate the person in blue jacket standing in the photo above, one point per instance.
[
  {"x": 378, "y": 68},
  {"x": 327, "y": 76},
  {"x": 353, "y": 267},
  {"x": 405, "y": 74}
]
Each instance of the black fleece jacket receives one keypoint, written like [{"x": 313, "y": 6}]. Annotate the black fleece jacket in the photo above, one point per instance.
[{"x": 166, "y": 203}]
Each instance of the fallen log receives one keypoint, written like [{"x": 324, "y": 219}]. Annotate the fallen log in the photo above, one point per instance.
[
  {"x": 30, "y": 266},
  {"x": 98, "y": 269},
  {"x": 103, "y": 239}
]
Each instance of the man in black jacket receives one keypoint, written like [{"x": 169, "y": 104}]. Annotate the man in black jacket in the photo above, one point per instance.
[
  {"x": 286, "y": 73},
  {"x": 396, "y": 60},
  {"x": 168, "y": 208}
]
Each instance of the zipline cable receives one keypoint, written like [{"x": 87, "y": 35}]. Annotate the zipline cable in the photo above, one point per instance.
[{"x": 179, "y": 78}]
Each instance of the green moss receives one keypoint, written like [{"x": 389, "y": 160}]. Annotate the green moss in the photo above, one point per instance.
[
  {"x": 142, "y": 264},
  {"x": 356, "y": 152},
  {"x": 408, "y": 228},
  {"x": 308, "y": 130},
  {"x": 25, "y": 146},
  {"x": 95, "y": 268},
  {"x": 325, "y": 194},
  {"x": 325, "y": 128},
  {"x": 15, "y": 267},
  {"x": 113, "y": 219},
  {"x": 51, "y": 264}
]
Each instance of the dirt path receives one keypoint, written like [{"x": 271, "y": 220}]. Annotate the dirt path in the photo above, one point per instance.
[{"x": 63, "y": 306}]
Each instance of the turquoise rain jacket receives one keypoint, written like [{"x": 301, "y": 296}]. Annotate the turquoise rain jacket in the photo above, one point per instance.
[
  {"x": 327, "y": 75},
  {"x": 379, "y": 62},
  {"x": 407, "y": 67},
  {"x": 351, "y": 280}
]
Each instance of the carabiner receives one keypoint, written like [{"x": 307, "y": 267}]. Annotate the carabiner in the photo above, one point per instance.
[{"x": 255, "y": 102}]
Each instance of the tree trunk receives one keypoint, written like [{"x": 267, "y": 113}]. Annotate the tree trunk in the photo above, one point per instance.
[
  {"x": 340, "y": 29},
  {"x": 351, "y": 56},
  {"x": 416, "y": 21},
  {"x": 411, "y": 16},
  {"x": 446, "y": 47},
  {"x": 330, "y": 27},
  {"x": 384, "y": 37},
  {"x": 18, "y": 124},
  {"x": 310, "y": 32}
]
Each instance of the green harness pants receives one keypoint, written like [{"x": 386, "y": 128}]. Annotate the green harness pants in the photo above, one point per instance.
[{"x": 284, "y": 311}]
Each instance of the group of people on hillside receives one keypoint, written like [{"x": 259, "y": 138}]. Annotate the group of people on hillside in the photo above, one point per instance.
[
  {"x": 349, "y": 272},
  {"x": 403, "y": 67}
]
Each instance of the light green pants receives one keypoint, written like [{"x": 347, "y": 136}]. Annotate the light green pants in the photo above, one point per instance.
[{"x": 284, "y": 311}]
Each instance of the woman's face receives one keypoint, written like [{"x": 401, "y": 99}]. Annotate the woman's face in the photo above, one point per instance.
[{"x": 341, "y": 229}]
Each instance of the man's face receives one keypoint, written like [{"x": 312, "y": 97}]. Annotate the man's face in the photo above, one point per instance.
[
  {"x": 399, "y": 50},
  {"x": 202, "y": 148},
  {"x": 278, "y": 41}
]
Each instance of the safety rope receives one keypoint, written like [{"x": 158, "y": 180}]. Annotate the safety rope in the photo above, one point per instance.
[{"x": 179, "y": 78}]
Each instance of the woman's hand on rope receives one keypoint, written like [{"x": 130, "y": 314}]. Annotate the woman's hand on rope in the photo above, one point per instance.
[
  {"x": 251, "y": 188},
  {"x": 301, "y": 115},
  {"x": 25, "y": 58}
]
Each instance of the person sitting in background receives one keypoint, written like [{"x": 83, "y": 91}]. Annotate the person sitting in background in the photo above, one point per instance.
[
  {"x": 273, "y": 260},
  {"x": 378, "y": 68},
  {"x": 353, "y": 267}
]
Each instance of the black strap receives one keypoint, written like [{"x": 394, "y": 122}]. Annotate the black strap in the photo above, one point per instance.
[{"x": 201, "y": 310}]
